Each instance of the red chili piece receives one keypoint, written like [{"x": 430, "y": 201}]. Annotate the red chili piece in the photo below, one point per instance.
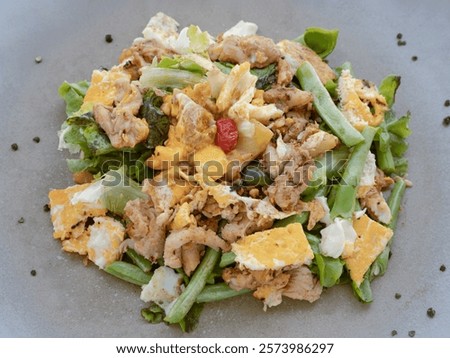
[{"x": 227, "y": 134}]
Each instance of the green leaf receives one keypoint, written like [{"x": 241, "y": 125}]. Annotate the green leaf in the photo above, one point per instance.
[
  {"x": 181, "y": 63},
  {"x": 267, "y": 76},
  {"x": 73, "y": 94},
  {"x": 363, "y": 292},
  {"x": 168, "y": 78},
  {"x": 198, "y": 40},
  {"x": 322, "y": 41},
  {"x": 388, "y": 88},
  {"x": 296, "y": 218},
  {"x": 119, "y": 190},
  {"x": 400, "y": 126},
  {"x": 330, "y": 270},
  {"x": 158, "y": 122}
]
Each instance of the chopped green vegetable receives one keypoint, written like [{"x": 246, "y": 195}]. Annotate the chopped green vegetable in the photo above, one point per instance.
[
  {"x": 267, "y": 76},
  {"x": 363, "y": 292},
  {"x": 168, "y": 78},
  {"x": 330, "y": 270},
  {"x": 297, "y": 218},
  {"x": 128, "y": 272},
  {"x": 186, "y": 300},
  {"x": 323, "y": 103},
  {"x": 344, "y": 203},
  {"x": 157, "y": 121},
  {"x": 153, "y": 314},
  {"x": 73, "y": 94},
  {"x": 388, "y": 88},
  {"x": 227, "y": 259},
  {"x": 218, "y": 292},
  {"x": 321, "y": 41},
  {"x": 118, "y": 190},
  {"x": 139, "y": 260}
]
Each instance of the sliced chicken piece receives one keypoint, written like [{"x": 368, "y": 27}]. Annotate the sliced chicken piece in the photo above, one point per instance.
[
  {"x": 197, "y": 235},
  {"x": 118, "y": 119},
  {"x": 190, "y": 257},
  {"x": 146, "y": 229},
  {"x": 287, "y": 98},
  {"x": 259, "y": 51},
  {"x": 302, "y": 285},
  {"x": 295, "y": 54}
]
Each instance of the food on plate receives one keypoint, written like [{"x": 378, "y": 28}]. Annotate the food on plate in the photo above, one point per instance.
[{"x": 211, "y": 167}]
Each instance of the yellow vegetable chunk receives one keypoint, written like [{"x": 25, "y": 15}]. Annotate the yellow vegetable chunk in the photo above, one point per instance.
[
  {"x": 211, "y": 161},
  {"x": 371, "y": 241}
]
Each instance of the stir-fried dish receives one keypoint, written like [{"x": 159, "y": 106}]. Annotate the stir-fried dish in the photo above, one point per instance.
[{"x": 211, "y": 167}]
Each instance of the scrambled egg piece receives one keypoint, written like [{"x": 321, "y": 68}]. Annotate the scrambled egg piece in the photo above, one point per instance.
[
  {"x": 183, "y": 218},
  {"x": 361, "y": 103},
  {"x": 274, "y": 249},
  {"x": 371, "y": 241},
  {"x": 103, "y": 89},
  {"x": 103, "y": 246},
  {"x": 66, "y": 215},
  {"x": 164, "y": 288},
  {"x": 71, "y": 210}
]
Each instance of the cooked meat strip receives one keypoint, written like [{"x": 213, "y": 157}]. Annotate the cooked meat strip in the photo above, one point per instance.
[
  {"x": 140, "y": 54},
  {"x": 286, "y": 98},
  {"x": 146, "y": 229},
  {"x": 295, "y": 54},
  {"x": 258, "y": 50},
  {"x": 190, "y": 257},
  {"x": 302, "y": 285},
  {"x": 198, "y": 235},
  {"x": 119, "y": 122}
]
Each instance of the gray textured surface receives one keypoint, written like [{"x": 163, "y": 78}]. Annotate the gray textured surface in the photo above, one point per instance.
[{"x": 66, "y": 299}]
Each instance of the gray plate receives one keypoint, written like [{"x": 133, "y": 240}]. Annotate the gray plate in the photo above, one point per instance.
[{"x": 66, "y": 299}]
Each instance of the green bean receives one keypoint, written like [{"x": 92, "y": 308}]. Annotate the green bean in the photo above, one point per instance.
[
  {"x": 184, "y": 302},
  {"x": 325, "y": 106},
  {"x": 344, "y": 203},
  {"x": 128, "y": 272},
  {"x": 218, "y": 292},
  {"x": 227, "y": 259},
  {"x": 296, "y": 218},
  {"x": 139, "y": 260},
  {"x": 395, "y": 200}
]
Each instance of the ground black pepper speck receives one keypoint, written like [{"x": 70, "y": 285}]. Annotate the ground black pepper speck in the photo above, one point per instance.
[
  {"x": 393, "y": 333},
  {"x": 108, "y": 38},
  {"x": 446, "y": 121},
  {"x": 414, "y": 58},
  {"x": 398, "y": 296},
  {"x": 411, "y": 333},
  {"x": 46, "y": 208},
  {"x": 14, "y": 146},
  {"x": 431, "y": 312},
  {"x": 442, "y": 268},
  {"x": 401, "y": 43},
  {"x": 36, "y": 139},
  {"x": 399, "y": 36},
  {"x": 21, "y": 220},
  {"x": 447, "y": 103},
  {"x": 33, "y": 272}
]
